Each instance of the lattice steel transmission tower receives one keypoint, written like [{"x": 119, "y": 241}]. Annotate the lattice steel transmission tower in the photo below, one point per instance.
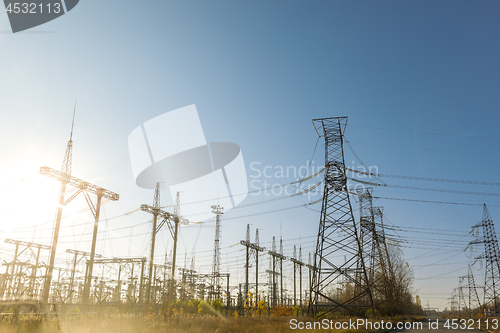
[
  {"x": 492, "y": 256},
  {"x": 474, "y": 301},
  {"x": 216, "y": 282},
  {"x": 338, "y": 233},
  {"x": 462, "y": 303},
  {"x": 373, "y": 241},
  {"x": 368, "y": 237},
  {"x": 82, "y": 187}
]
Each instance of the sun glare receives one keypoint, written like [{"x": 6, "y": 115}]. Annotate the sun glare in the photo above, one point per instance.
[{"x": 27, "y": 198}]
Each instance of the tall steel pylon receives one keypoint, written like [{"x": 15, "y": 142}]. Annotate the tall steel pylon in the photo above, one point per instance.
[
  {"x": 82, "y": 187},
  {"x": 474, "y": 301},
  {"x": 492, "y": 256},
  {"x": 172, "y": 221},
  {"x": 156, "y": 207},
  {"x": 252, "y": 249},
  {"x": 367, "y": 231},
  {"x": 216, "y": 282},
  {"x": 373, "y": 242},
  {"x": 462, "y": 303},
  {"x": 338, "y": 234},
  {"x": 65, "y": 172}
]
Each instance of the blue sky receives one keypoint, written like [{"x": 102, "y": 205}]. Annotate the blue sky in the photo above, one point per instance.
[{"x": 258, "y": 72}]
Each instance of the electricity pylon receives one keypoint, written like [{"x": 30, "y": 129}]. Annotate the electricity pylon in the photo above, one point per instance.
[
  {"x": 172, "y": 221},
  {"x": 216, "y": 283},
  {"x": 83, "y": 187},
  {"x": 373, "y": 242},
  {"x": 156, "y": 206},
  {"x": 462, "y": 304},
  {"x": 492, "y": 256},
  {"x": 474, "y": 301},
  {"x": 338, "y": 233},
  {"x": 368, "y": 238},
  {"x": 297, "y": 263},
  {"x": 252, "y": 249},
  {"x": 280, "y": 257}
]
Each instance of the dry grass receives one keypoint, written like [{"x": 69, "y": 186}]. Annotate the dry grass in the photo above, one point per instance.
[{"x": 184, "y": 324}]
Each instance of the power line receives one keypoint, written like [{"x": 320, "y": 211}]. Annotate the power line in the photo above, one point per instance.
[
  {"x": 436, "y": 202},
  {"x": 417, "y": 188},
  {"x": 376, "y": 175},
  {"x": 428, "y": 149},
  {"x": 429, "y": 133},
  {"x": 435, "y": 276}
]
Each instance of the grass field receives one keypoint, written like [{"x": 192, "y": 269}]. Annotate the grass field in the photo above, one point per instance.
[{"x": 194, "y": 324}]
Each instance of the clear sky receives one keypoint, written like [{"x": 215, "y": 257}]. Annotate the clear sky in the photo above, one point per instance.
[{"x": 418, "y": 80}]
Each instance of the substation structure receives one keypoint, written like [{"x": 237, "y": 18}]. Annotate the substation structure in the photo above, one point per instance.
[
  {"x": 343, "y": 275},
  {"x": 124, "y": 283}
]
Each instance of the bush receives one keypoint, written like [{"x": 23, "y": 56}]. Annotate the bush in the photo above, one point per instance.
[{"x": 281, "y": 311}]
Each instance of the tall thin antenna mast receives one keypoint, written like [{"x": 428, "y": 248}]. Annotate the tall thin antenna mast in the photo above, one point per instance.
[
  {"x": 68, "y": 155},
  {"x": 73, "y": 122}
]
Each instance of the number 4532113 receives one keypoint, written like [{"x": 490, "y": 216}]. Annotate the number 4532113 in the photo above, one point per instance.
[
  {"x": 454, "y": 324},
  {"x": 33, "y": 8}
]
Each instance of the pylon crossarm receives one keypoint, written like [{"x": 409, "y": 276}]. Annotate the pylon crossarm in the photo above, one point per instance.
[
  {"x": 29, "y": 244},
  {"x": 81, "y": 184}
]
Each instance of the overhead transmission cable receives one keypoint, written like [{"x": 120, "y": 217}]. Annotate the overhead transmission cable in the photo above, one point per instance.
[
  {"x": 426, "y": 201},
  {"x": 429, "y": 133},
  {"x": 417, "y": 188},
  {"x": 429, "y": 149},
  {"x": 377, "y": 175}
]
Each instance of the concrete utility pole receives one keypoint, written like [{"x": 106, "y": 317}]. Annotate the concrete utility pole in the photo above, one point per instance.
[
  {"x": 311, "y": 269},
  {"x": 17, "y": 289},
  {"x": 296, "y": 263},
  {"x": 122, "y": 261},
  {"x": 281, "y": 257},
  {"x": 257, "y": 249},
  {"x": 156, "y": 207},
  {"x": 247, "y": 264},
  {"x": 252, "y": 248},
  {"x": 77, "y": 260},
  {"x": 172, "y": 221},
  {"x": 300, "y": 274},
  {"x": 228, "y": 293},
  {"x": 281, "y": 270}
]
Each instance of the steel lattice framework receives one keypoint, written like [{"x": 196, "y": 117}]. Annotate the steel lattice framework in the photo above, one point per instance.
[
  {"x": 474, "y": 301},
  {"x": 368, "y": 234},
  {"x": 491, "y": 255},
  {"x": 338, "y": 235},
  {"x": 216, "y": 276},
  {"x": 374, "y": 246}
]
